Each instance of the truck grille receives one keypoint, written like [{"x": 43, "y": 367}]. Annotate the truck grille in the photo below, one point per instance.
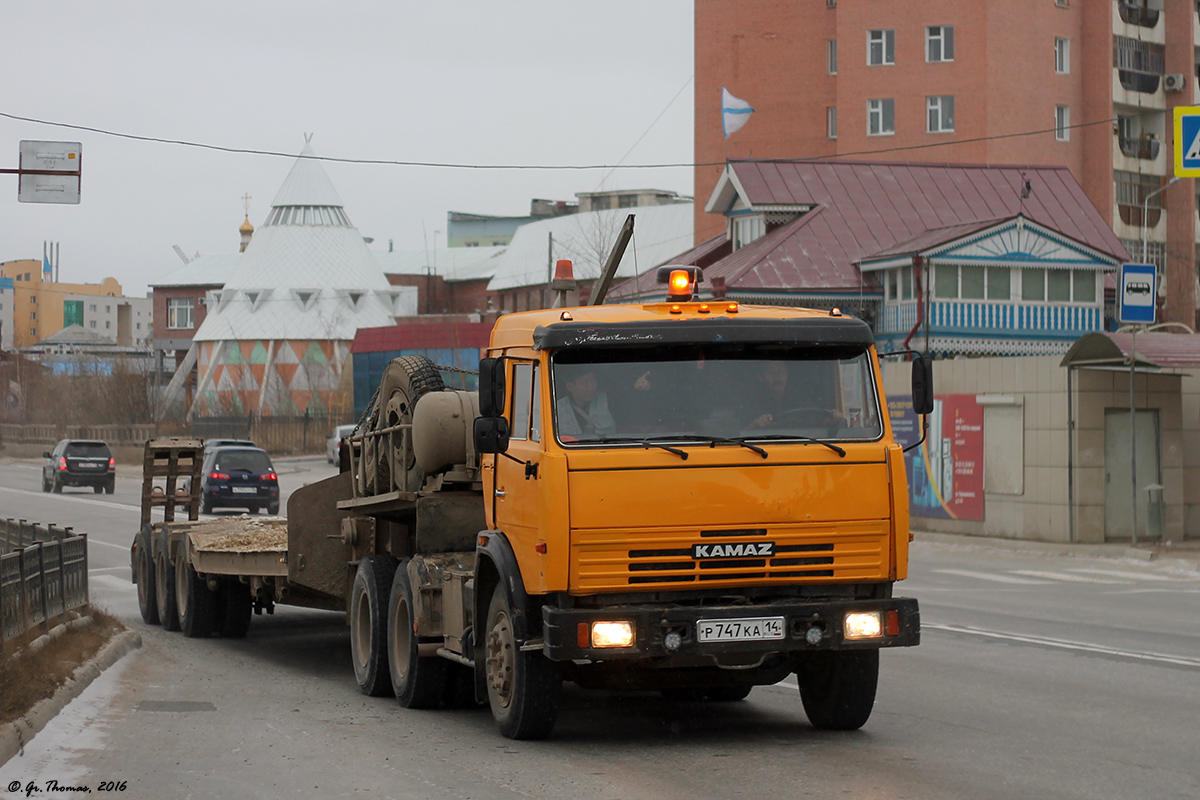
[{"x": 604, "y": 560}]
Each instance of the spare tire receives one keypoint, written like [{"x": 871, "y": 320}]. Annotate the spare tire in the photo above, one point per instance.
[{"x": 390, "y": 461}]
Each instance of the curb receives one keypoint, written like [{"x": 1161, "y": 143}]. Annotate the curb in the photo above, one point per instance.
[
  {"x": 15, "y": 735},
  {"x": 1060, "y": 548}
]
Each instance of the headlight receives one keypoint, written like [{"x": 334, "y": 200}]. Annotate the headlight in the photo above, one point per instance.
[
  {"x": 612, "y": 634},
  {"x": 863, "y": 625}
]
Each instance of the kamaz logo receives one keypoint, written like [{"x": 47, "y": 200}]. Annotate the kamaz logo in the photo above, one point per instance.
[{"x": 741, "y": 550}]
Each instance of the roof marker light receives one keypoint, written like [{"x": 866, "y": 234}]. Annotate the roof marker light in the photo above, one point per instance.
[
  {"x": 676, "y": 309},
  {"x": 732, "y": 308},
  {"x": 835, "y": 312},
  {"x": 566, "y": 315},
  {"x": 703, "y": 308}
]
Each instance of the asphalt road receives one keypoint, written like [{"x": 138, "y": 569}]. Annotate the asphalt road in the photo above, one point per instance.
[{"x": 1039, "y": 676}]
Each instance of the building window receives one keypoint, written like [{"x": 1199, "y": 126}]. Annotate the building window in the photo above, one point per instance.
[
  {"x": 831, "y": 56},
  {"x": 107, "y": 324},
  {"x": 881, "y": 117},
  {"x": 952, "y": 282},
  {"x": 941, "y": 113},
  {"x": 1062, "y": 123},
  {"x": 939, "y": 43},
  {"x": 881, "y": 47},
  {"x": 92, "y": 324},
  {"x": 91, "y": 307},
  {"x": 746, "y": 229},
  {"x": 33, "y": 299},
  {"x": 1132, "y": 189},
  {"x": 1062, "y": 55},
  {"x": 32, "y": 315},
  {"x": 626, "y": 201},
  {"x": 179, "y": 313},
  {"x": 1058, "y": 285},
  {"x": 831, "y": 122}
]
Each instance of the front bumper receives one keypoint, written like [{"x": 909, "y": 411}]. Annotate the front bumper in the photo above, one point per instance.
[{"x": 652, "y": 624}]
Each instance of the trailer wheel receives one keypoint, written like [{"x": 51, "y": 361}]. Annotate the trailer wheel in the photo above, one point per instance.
[
  {"x": 144, "y": 566},
  {"x": 196, "y": 603},
  {"x": 837, "y": 687},
  {"x": 418, "y": 682},
  {"x": 368, "y": 624},
  {"x": 524, "y": 687},
  {"x": 164, "y": 585},
  {"x": 236, "y": 606},
  {"x": 405, "y": 380}
]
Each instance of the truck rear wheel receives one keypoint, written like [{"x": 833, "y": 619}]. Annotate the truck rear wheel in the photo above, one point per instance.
[
  {"x": 837, "y": 688},
  {"x": 236, "y": 606},
  {"x": 196, "y": 603},
  {"x": 524, "y": 687},
  {"x": 368, "y": 624},
  {"x": 144, "y": 566},
  {"x": 164, "y": 585},
  {"x": 418, "y": 682}
]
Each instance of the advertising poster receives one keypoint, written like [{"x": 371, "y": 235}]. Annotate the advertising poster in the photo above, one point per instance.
[{"x": 945, "y": 474}]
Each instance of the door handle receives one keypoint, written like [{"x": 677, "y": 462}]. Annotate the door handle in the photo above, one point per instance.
[{"x": 499, "y": 493}]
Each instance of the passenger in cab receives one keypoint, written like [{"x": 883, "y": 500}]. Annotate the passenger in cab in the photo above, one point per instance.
[{"x": 583, "y": 408}]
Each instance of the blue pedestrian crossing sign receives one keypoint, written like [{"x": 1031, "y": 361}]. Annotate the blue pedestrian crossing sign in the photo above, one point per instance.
[
  {"x": 1187, "y": 141},
  {"x": 1137, "y": 291}
]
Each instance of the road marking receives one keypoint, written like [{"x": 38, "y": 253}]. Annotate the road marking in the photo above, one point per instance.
[
  {"x": 987, "y": 576},
  {"x": 1137, "y": 576},
  {"x": 1066, "y": 576},
  {"x": 112, "y": 581},
  {"x": 107, "y": 569},
  {"x": 1066, "y": 644}
]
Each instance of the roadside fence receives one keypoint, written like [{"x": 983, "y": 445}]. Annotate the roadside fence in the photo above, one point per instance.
[
  {"x": 48, "y": 434},
  {"x": 304, "y": 433},
  {"x": 43, "y": 575}
]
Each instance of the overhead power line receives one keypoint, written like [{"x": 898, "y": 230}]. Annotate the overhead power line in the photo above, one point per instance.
[{"x": 555, "y": 167}]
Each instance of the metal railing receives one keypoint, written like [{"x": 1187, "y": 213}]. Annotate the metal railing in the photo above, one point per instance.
[{"x": 43, "y": 577}]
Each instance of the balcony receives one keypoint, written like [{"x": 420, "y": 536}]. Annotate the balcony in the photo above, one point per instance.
[
  {"x": 1134, "y": 12},
  {"x": 1146, "y": 148},
  {"x": 1140, "y": 65}
]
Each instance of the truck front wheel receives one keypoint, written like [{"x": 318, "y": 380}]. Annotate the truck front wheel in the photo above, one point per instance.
[
  {"x": 837, "y": 688},
  {"x": 524, "y": 687},
  {"x": 368, "y": 624},
  {"x": 418, "y": 682}
]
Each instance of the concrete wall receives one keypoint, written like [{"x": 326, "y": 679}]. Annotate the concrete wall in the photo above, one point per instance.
[{"x": 1041, "y": 509}]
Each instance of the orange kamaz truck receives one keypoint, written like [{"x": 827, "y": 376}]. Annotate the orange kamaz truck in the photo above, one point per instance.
[{"x": 687, "y": 497}]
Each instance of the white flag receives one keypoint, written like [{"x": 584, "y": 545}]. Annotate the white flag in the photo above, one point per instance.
[{"x": 734, "y": 113}]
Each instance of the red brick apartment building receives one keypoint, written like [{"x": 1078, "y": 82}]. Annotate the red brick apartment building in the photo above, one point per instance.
[{"x": 957, "y": 82}]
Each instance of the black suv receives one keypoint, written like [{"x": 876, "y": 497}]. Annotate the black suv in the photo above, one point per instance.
[
  {"x": 242, "y": 477},
  {"x": 79, "y": 462}
]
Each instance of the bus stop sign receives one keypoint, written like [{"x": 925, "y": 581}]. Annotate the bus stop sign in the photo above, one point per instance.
[{"x": 1137, "y": 291}]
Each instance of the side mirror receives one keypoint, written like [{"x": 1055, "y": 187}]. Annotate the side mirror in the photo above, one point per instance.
[
  {"x": 491, "y": 387},
  {"x": 491, "y": 433},
  {"x": 45, "y": 455},
  {"x": 922, "y": 385}
]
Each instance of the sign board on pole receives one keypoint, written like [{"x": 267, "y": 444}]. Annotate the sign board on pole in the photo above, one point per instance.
[
  {"x": 43, "y": 157},
  {"x": 1187, "y": 141},
  {"x": 1137, "y": 292}
]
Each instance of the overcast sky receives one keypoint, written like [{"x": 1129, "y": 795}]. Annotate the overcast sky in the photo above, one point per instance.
[{"x": 474, "y": 82}]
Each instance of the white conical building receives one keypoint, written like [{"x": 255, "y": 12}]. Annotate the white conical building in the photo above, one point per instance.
[{"x": 277, "y": 335}]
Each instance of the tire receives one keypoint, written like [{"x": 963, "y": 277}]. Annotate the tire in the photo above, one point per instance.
[
  {"x": 164, "y": 586},
  {"x": 236, "y": 607},
  {"x": 111, "y": 487},
  {"x": 368, "y": 624},
  {"x": 97, "y": 489},
  {"x": 206, "y": 505},
  {"x": 45, "y": 484},
  {"x": 195, "y": 602},
  {"x": 524, "y": 688},
  {"x": 837, "y": 687},
  {"x": 404, "y": 381},
  {"x": 273, "y": 508},
  {"x": 144, "y": 566},
  {"x": 417, "y": 682},
  {"x": 56, "y": 486}
]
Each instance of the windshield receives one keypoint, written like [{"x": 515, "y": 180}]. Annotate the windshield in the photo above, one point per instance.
[
  {"x": 87, "y": 450},
  {"x": 725, "y": 392}
]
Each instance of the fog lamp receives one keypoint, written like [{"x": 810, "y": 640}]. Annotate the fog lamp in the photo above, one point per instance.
[
  {"x": 863, "y": 625},
  {"x": 612, "y": 634}
]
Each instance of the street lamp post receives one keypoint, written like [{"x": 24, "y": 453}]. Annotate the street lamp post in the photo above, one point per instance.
[{"x": 1146, "y": 209}]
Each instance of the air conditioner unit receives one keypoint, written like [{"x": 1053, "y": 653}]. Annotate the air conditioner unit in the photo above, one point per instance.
[{"x": 1174, "y": 83}]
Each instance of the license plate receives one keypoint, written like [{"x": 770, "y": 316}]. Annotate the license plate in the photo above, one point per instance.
[
  {"x": 739, "y": 630},
  {"x": 87, "y": 465},
  {"x": 244, "y": 489}
]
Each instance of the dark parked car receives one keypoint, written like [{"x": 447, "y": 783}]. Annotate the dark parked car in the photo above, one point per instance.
[
  {"x": 239, "y": 477},
  {"x": 185, "y": 484},
  {"x": 79, "y": 462}
]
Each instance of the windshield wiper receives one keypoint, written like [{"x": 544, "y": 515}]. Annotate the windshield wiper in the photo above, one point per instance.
[
  {"x": 713, "y": 441},
  {"x": 645, "y": 443},
  {"x": 648, "y": 443},
  {"x": 785, "y": 437}
]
